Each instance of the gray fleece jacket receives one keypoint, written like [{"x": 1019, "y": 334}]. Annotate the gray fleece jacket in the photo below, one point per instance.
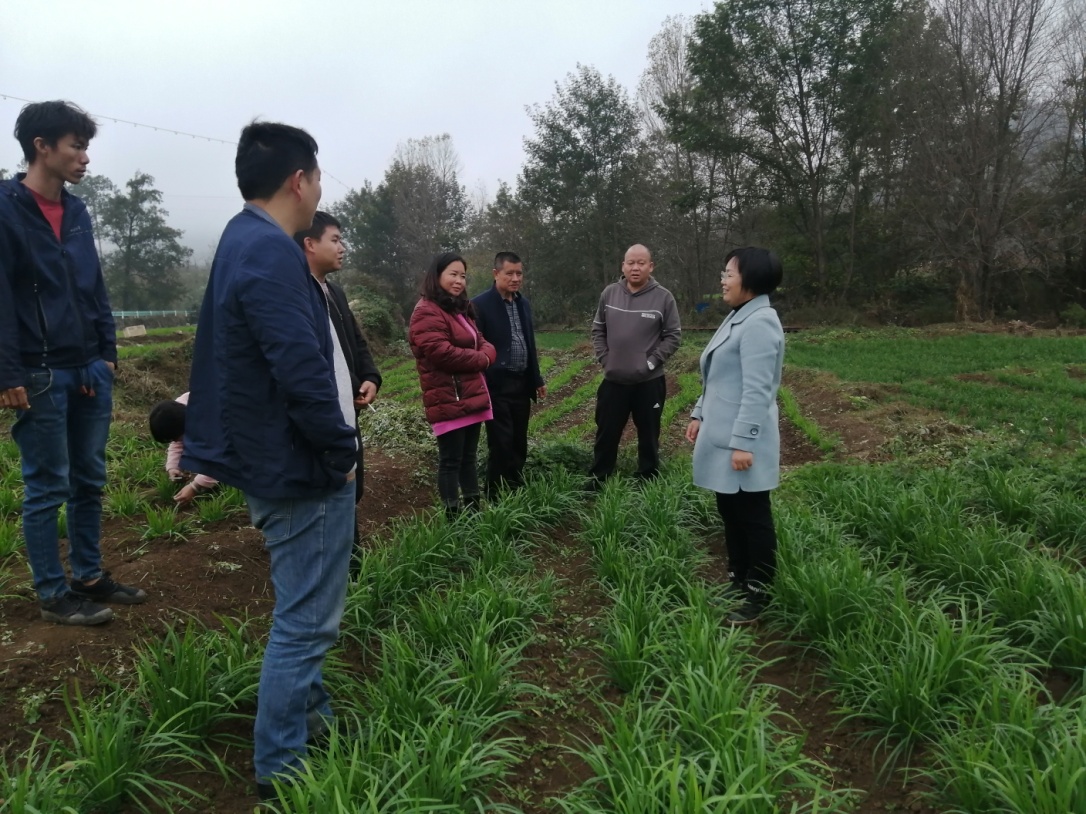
[{"x": 633, "y": 334}]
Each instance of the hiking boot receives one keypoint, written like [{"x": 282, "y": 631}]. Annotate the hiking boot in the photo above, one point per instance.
[
  {"x": 106, "y": 590},
  {"x": 75, "y": 610}
]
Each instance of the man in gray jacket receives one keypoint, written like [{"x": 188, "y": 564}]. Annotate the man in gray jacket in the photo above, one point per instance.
[{"x": 636, "y": 329}]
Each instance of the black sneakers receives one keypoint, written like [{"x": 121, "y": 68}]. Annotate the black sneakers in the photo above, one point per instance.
[
  {"x": 75, "y": 610},
  {"x": 751, "y": 606},
  {"x": 746, "y": 613},
  {"x": 106, "y": 590}
]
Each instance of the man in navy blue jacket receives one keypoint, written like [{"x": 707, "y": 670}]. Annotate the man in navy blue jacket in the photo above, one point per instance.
[
  {"x": 504, "y": 317},
  {"x": 58, "y": 353},
  {"x": 271, "y": 412}
]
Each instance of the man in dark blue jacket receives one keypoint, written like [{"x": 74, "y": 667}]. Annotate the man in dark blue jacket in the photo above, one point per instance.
[
  {"x": 271, "y": 412},
  {"x": 58, "y": 353},
  {"x": 504, "y": 316}
]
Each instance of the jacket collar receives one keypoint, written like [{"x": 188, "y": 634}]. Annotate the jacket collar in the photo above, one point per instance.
[
  {"x": 21, "y": 189},
  {"x": 733, "y": 319},
  {"x": 493, "y": 291},
  {"x": 761, "y": 301}
]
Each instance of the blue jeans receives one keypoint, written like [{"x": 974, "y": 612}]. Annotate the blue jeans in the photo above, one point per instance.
[
  {"x": 310, "y": 542},
  {"x": 62, "y": 444}
]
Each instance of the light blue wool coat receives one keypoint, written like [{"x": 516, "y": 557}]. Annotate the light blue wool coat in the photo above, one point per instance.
[{"x": 740, "y": 375}]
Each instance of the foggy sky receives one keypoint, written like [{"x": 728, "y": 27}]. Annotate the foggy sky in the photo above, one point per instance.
[{"x": 360, "y": 76}]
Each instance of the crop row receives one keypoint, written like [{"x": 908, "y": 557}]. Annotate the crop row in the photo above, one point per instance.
[
  {"x": 696, "y": 731},
  {"x": 442, "y": 613},
  {"x": 425, "y": 682},
  {"x": 941, "y": 601}
]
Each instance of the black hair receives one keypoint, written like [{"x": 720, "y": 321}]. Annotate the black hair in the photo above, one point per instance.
[
  {"x": 430, "y": 288},
  {"x": 268, "y": 154},
  {"x": 321, "y": 222},
  {"x": 167, "y": 421},
  {"x": 501, "y": 258},
  {"x": 51, "y": 121},
  {"x": 759, "y": 269}
]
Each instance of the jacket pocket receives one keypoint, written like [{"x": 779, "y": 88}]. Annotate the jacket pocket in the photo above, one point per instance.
[{"x": 719, "y": 416}]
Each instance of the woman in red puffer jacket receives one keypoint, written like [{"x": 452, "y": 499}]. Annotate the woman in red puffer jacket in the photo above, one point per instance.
[{"x": 451, "y": 355}]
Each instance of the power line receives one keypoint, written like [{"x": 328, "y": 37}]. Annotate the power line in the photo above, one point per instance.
[
  {"x": 156, "y": 128},
  {"x": 159, "y": 129}
]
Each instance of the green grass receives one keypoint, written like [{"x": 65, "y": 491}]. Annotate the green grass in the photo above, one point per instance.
[
  {"x": 567, "y": 373},
  {"x": 147, "y": 351},
  {"x": 826, "y": 442},
  {"x": 904, "y": 356},
  {"x": 186, "y": 329},
  {"x": 1018, "y": 387},
  {"x": 561, "y": 340}
]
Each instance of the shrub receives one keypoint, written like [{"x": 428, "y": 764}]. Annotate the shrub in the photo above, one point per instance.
[
  {"x": 377, "y": 316},
  {"x": 1074, "y": 316}
]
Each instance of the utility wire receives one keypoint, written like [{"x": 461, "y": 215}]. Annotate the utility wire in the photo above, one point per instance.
[{"x": 158, "y": 129}]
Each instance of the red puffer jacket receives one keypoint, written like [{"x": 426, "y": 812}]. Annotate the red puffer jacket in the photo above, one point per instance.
[{"x": 450, "y": 362}]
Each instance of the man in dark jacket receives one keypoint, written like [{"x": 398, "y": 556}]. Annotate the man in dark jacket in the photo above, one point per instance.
[
  {"x": 271, "y": 412},
  {"x": 58, "y": 354},
  {"x": 323, "y": 246},
  {"x": 504, "y": 317}
]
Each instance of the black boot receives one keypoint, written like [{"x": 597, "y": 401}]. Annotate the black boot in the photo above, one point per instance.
[
  {"x": 452, "y": 512},
  {"x": 473, "y": 504}
]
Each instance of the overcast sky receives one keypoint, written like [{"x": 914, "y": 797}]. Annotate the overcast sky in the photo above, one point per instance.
[{"x": 360, "y": 75}]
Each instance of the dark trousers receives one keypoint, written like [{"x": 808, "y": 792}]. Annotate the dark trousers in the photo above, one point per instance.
[
  {"x": 456, "y": 468},
  {"x": 749, "y": 535},
  {"x": 615, "y": 403},
  {"x": 507, "y": 433},
  {"x": 359, "y": 491},
  {"x": 359, "y": 485}
]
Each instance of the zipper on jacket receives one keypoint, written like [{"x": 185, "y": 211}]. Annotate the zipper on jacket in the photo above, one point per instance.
[
  {"x": 456, "y": 387},
  {"x": 43, "y": 320}
]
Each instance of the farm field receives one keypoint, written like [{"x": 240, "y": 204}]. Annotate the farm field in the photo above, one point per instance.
[{"x": 925, "y": 651}]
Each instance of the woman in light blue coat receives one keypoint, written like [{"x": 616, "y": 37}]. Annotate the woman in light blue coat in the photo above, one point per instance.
[{"x": 734, "y": 425}]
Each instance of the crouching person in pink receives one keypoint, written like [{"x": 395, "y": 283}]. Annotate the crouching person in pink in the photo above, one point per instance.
[{"x": 167, "y": 422}]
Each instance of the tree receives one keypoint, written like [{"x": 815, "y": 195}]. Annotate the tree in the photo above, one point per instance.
[
  {"x": 698, "y": 192},
  {"x": 95, "y": 191},
  {"x": 429, "y": 203},
  {"x": 978, "y": 130},
  {"x": 1058, "y": 238},
  {"x": 580, "y": 175},
  {"x": 777, "y": 81},
  {"x": 418, "y": 209},
  {"x": 142, "y": 270}
]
